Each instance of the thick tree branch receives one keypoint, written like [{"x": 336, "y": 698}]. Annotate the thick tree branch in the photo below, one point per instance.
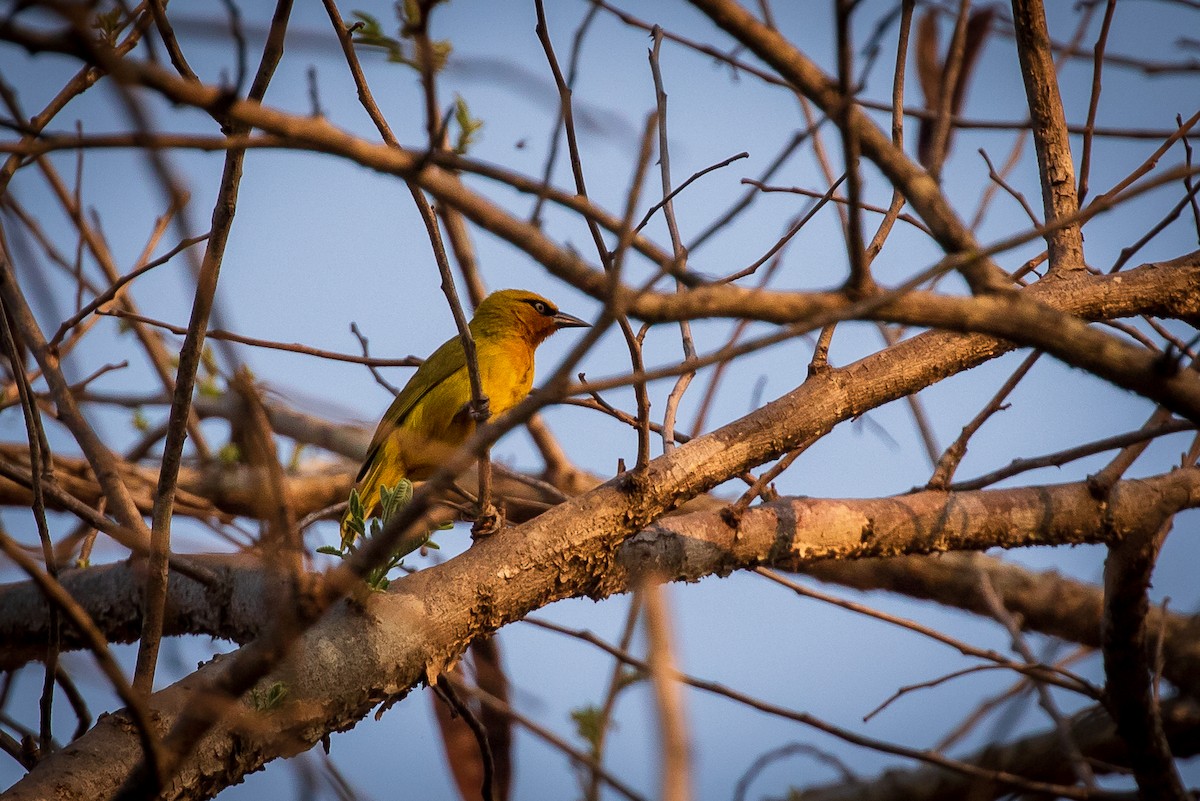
[
  {"x": 355, "y": 656},
  {"x": 822, "y": 537}
]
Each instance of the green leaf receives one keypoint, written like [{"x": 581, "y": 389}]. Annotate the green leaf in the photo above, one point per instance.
[
  {"x": 468, "y": 126},
  {"x": 410, "y": 12},
  {"x": 208, "y": 361},
  {"x": 392, "y": 499},
  {"x": 209, "y": 387},
  {"x": 294, "y": 462},
  {"x": 330, "y": 550},
  {"x": 370, "y": 34},
  {"x": 440, "y": 54},
  {"x": 370, "y": 24},
  {"x": 230, "y": 454},
  {"x": 269, "y": 699},
  {"x": 589, "y": 723},
  {"x": 108, "y": 25}
]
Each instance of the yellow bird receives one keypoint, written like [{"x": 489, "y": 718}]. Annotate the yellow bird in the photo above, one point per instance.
[{"x": 431, "y": 415}]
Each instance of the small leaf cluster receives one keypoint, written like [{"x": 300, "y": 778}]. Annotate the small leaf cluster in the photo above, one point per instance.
[
  {"x": 229, "y": 454},
  {"x": 108, "y": 25},
  {"x": 589, "y": 724},
  {"x": 399, "y": 49},
  {"x": 468, "y": 126},
  {"x": 368, "y": 32},
  {"x": 354, "y": 534},
  {"x": 208, "y": 382},
  {"x": 271, "y": 698},
  {"x": 591, "y": 721}
]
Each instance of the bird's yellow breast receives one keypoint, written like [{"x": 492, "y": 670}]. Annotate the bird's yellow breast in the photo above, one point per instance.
[{"x": 441, "y": 420}]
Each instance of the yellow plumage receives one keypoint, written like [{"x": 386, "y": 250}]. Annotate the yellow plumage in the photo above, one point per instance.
[{"x": 431, "y": 415}]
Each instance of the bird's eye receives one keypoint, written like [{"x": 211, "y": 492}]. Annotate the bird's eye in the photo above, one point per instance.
[{"x": 541, "y": 307}]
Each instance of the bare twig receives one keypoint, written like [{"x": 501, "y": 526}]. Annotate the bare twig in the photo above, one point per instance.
[
  {"x": 948, "y": 463},
  {"x": 116, "y": 287},
  {"x": 1056, "y": 676},
  {"x": 791, "y": 232},
  {"x": 290, "y": 347},
  {"x": 1070, "y": 454},
  {"x": 1085, "y": 159},
  {"x": 677, "y": 248},
  {"x": 572, "y": 73},
  {"x": 930, "y": 757},
  {"x": 898, "y": 77},
  {"x": 694, "y": 177},
  {"x": 1069, "y": 747}
]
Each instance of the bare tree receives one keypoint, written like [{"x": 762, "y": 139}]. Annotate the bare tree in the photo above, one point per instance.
[{"x": 751, "y": 339}]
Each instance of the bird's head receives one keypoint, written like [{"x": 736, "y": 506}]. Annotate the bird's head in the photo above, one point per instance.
[{"x": 518, "y": 311}]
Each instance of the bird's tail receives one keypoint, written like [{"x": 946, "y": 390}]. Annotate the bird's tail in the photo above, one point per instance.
[{"x": 380, "y": 472}]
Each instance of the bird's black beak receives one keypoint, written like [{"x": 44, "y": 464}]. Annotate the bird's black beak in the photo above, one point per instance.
[{"x": 564, "y": 320}]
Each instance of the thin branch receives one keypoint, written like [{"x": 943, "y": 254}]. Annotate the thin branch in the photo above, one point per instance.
[
  {"x": 115, "y": 287},
  {"x": 1089, "y": 135},
  {"x": 1055, "y": 676},
  {"x": 898, "y": 77},
  {"x": 1059, "y": 458},
  {"x": 577, "y": 41},
  {"x": 680, "y": 254},
  {"x": 947, "y": 464},
  {"x": 1083, "y": 771},
  {"x": 694, "y": 177},
  {"x": 791, "y": 232},
  {"x": 923, "y": 755}
]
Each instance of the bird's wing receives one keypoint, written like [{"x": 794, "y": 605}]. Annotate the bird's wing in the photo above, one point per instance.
[{"x": 444, "y": 362}]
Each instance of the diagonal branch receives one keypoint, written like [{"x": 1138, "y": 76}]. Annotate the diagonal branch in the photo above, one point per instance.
[
  {"x": 1050, "y": 139},
  {"x": 920, "y": 189}
]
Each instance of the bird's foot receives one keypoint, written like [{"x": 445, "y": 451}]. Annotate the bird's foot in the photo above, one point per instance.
[{"x": 487, "y": 522}]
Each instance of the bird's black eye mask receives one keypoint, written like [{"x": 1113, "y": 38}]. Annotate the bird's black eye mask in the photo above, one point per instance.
[{"x": 542, "y": 307}]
